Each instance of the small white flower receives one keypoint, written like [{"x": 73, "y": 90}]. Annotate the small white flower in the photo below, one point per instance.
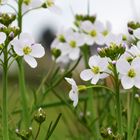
[
  {"x": 25, "y": 46},
  {"x": 98, "y": 66},
  {"x": 112, "y": 38},
  {"x": 2, "y": 37},
  {"x": 129, "y": 73},
  {"x": 93, "y": 32},
  {"x": 71, "y": 47},
  {"x": 73, "y": 94}
]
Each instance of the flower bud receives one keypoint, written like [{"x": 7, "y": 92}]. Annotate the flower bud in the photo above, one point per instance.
[
  {"x": 40, "y": 116},
  {"x": 24, "y": 134},
  {"x": 55, "y": 52}
]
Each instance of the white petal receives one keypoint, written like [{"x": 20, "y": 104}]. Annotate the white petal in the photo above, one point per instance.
[
  {"x": 70, "y": 81},
  {"x": 136, "y": 64},
  {"x": 122, "y": 66},
  {"x": 127, "y": 82},
  {"x": 17, "y": 47},
  {"x": 73, "y": 95},
  {"x": 93, "y": 61},
  {"x": 95, "y": 79},
  {"x": 74, "y": 54},
  {"x": 38, "y": 51},
  {"x": 86, "y": 74},
  {"x": 89, "y": 40},
  {"x": 137, "y": 33},
  {"x": 103, "y": 64},
  {"x": 100, "y": 39},
  {"x": 87, "y": 26},
  {"x": 25, "y": 37},
  {"x": 55, "y": 9},
  {"x": 2, "y": 37},
  {"x": 30, "y": 60},
  {"x": 137, "y": 81}
]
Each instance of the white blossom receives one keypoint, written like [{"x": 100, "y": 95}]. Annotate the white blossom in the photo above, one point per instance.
[
  {"x": 73, "y": 94},
  {"x": 129, "y": 72},
  {"x": 98, "y": 67},
  {"x": 25, "y": 46}
]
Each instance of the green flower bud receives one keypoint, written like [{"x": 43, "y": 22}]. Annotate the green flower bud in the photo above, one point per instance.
[
  {"x": 24, "y": 134},
  {"x": 7, "y": 18},
  {"x": 133, "y": 25},
  {"x": 55, "y": 52},
  {"x": 40, "y": 116},
  {"x": 80, "y": 18}
]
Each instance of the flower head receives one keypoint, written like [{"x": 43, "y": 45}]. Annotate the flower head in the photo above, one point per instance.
[
  {"x": 98, "y": 67},
  {"x": 73, "y": 94},
  {"x": 129, "y": 72},
  {"x": 25, "y": 46}
]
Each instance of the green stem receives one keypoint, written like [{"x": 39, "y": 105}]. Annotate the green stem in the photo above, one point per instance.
[
  {"x": 131, "y": 114},
  {"x": 92, "y": 104},
  {"x": 23, "y": 97},
  {"x": 24, "y": 103},
  {"x": 4, "y": 107},
  {"x": 118, "y": 103}
]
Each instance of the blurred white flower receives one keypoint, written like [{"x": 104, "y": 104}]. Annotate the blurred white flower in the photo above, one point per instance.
[
  {"x": 97, "y": 66},
  {"x": 73, "y": 94},
  {"x": 2, "y": 37},
  {"x": 129, "y": 73},
  {"x": 93, "y": 32},
  {"x": 31, "y": 4},
  {"x": 115, "y": 39},
  {"x": 50, "y": 4},
  {"x": 25, "y": 46}
]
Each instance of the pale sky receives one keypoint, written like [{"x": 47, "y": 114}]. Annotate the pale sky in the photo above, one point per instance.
[{"x": 118, "y": 12}]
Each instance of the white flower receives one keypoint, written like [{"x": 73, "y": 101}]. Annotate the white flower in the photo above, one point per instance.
[
  {"x": 2, "y": 37},
  {"x": 72, "y": 44},
  {"x": 98, "y": 66},
  {"x": 93, "y": 32},
  {"x": 73, "y": 94},
  {"x": 115, "y": 39},
  {"x": 129, "y": 73},
  {"x": 25, "y": 46},
  {"x": 31, "y": 4}
]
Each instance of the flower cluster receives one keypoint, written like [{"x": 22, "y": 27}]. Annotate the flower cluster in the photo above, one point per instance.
[{"x": 116, "y": 59}]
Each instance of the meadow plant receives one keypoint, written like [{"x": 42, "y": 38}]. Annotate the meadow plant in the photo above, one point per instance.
[{"x": 106, "y": 105}]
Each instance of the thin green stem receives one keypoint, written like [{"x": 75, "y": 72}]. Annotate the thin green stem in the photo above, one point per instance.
[
  {"x": 131, "y": 114},
  {"x": 23, "y": 97},
  {"x": 24, "y": 103},
  {"x": 5, "y": 106},
  {"x": 118, "y": 102},
  {"x": 38, "y": 131}
]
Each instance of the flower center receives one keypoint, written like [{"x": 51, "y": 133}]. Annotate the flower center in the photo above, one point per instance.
[
  {"x": 50, "y": 3},
  {"x": 96, "y": 70},
  {"x": 131, "y": 73},
  {"x": 105, "y": 33},
  {"x": 73, "y": 44},
  {"x": 93, "y": 33},
  {"x": 27, "y": 50}
]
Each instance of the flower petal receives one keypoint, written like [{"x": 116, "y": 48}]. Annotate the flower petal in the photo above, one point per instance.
[
  {"x": 75, "y": 53},
  {"x": 86, "y": 74},
  {"x": 70, "y": 81},
  {"x": 137, "y": 33},
  {"x": 122, "y": 66},
  {"x": 73, "y": 95},
  {"x": 30, "y": 60},
  {"x": 2, "y": 37},
  {"x": 95, "y": 79},
  {"x": 38, "y": 51},
  {"x": 127, "y": 82}
]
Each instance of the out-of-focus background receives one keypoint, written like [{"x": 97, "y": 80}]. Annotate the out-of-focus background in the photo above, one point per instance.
[{"x": 43, "y": 25}]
